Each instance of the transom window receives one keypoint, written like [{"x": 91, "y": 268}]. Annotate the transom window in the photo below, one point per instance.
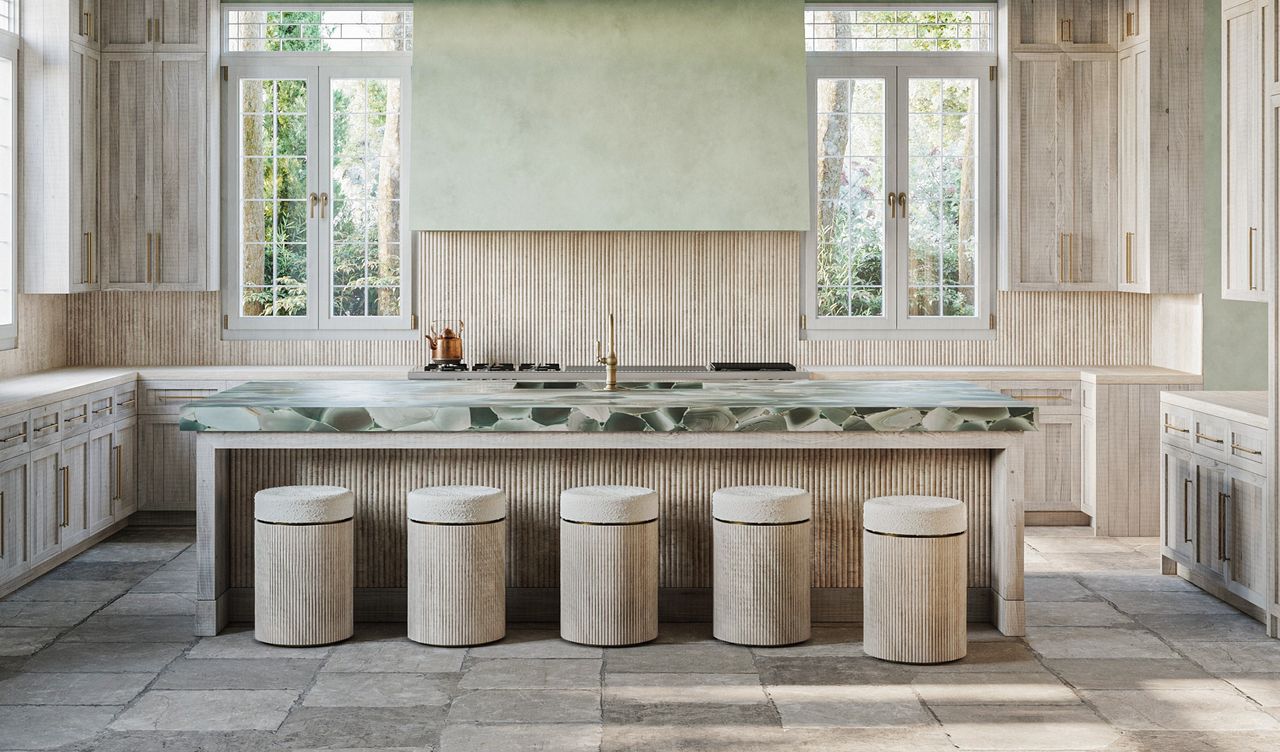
[
  {"x": 902, "y": 225},
  {"x": 315, "y": 148},
  {"x": 318, "y": 30},
  {"x": 949, "y": 29}
]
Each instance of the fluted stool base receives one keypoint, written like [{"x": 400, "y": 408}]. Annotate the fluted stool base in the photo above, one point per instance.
[
  {"x": 761, "y": 582},
  {"x": 914, "y": 597},
  {"x": 457, "y": 583},
  {"x": 609, "y": 583},
  {"x": 303, "y": 580}
]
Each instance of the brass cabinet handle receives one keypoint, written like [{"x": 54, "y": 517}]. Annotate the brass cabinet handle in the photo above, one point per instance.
[
  {"x": 1222, "y": 526},
  {"x": 81, "y": 417},
  {"x": 2, "y": 534},
  {"x": 1172, "y": 427},
  {"x": 184, "y": 397},
  {"x": 149, "y": 29},
  {"x": 126, "y": 403},
  {"x": 23, "y": 434},
  {"x": 1128, "y": 257},
  {"x": 893, "y": 206},
  {"x": 159, "y": 259},
  {"x": 902, "y": 204},
  {"x": 1062, "y": 259},
  {"x": 102, "y": 410},
  {"x": 1071, "y": 256},
  {"x": 1186, "y": 529},
  {"x": 93, "y": 261},
  {"x": 1252, "y": 230},
  {"x": 115, "y": 494},
  {"x": 84, "y": 258},
  {"x": 1236, "y": 447},
  {"x": 1129, "y": 25},
  {"x": 54, "y": 426},
  {"x": 1064, "y": 30},
  {"x": 1207, "y": 437},
  {"x": 66, "y": 497},
  {"x": 148, "y": 257}
]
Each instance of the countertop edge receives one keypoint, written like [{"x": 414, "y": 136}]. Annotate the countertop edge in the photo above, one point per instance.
[{"x": 1212, "y": 403}]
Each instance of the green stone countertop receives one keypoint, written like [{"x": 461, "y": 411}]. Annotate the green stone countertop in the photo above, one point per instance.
[{"x": 357, "y": 406}]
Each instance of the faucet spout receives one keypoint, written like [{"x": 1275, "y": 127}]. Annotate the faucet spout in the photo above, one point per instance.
[{"x": 610, "y": 361}]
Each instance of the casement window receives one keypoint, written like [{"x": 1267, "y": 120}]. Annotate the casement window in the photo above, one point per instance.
[
  {"x": 315, "y": 142},
  {"x": 8, "y": 177},
  {"x": 902, "y": 126}
]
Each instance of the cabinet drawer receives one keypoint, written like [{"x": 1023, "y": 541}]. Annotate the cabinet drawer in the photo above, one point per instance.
[
  {"x": 1247, "y": 447},
  {"x": 167, "y": 398},
  {"x": 1209, "y": 436},
  {"x": 45, "y": 427},
  {"x": 15, "y": 435},
  {"x": 101, "y": 408},
  {"x": 125, "y": 402},
  {"x": 76, "y": 416},
  {"x": 1051, "y": 397},
  {"x": 1176, "y": 425}
]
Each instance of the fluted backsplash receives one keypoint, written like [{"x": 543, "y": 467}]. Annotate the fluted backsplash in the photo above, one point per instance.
[{"x": 680, "y": 298}]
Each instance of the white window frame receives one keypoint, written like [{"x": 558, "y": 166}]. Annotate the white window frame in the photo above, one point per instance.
[
  {"x": 9, "y": 50},
  {"x": 318, "y": 69},
  {"x": 898, "y": 68}
]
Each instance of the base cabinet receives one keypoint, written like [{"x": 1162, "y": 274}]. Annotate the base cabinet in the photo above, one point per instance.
[
  {"x": 1179, "y": 517},
  {"x": 1243, "y": 539},
  {"x": 13, "y": 517},
  {"x": 168, "y": 481}
]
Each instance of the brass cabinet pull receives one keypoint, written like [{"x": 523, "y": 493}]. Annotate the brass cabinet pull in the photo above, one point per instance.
[
  {"x": 84, "y": 258},
  {"x": 102, "y": 410},
  {"x": 66, "y": 497},
  {"x": 1252, "y": 230},
  {"x": 1062, "y": 259},
  {"x": 115, "y": 494},
  {"x": 159, "y": 258},
  {"x": 902, "y": 204},
  {"x": 1064, "y": 30},
  {"x": 1128, "y": 25},
  {"x": 1172, "y": 427},
  {"x": 93, "y": 261},
  {"x": 1222, "y": 526},
  {"x": 2, "y": 533},
  {"x": 184, "y": 397},
  {"x": 23, "y": 434},
  {"x": 126, "y": 403},
  {"x": 1186, "y": 528},
  {"x": 1071, "y": 256},
  {"x": 54, "y": 426},
  {"x": 1128, "y": 257},
  {"x": 893, "y": 206},
  {"x": 149, "y": 29},
  {"x": 1207, "y": 437},
  {"x": 148, "y": 257},
  {"x": 81, "y": 417},
  {"x": 1236, "y": 447}
]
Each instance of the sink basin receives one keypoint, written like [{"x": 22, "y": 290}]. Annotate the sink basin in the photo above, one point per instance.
[{"x": 598, "y": 386}]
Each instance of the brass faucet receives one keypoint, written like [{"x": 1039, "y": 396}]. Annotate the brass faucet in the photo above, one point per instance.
[{"x": 610, "y": 361}]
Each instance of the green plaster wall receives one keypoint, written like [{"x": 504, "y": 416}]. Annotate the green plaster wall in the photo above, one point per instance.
[
  {"x": 1235, "y": 333},
  {"x": 595, "y": 115}
]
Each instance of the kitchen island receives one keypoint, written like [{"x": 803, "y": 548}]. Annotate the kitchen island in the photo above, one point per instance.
[{"x": 843, "y": 441}]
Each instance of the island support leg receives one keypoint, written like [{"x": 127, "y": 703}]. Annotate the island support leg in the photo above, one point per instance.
[
  {"x": 1007, "y": 581},
  {"x": 212, "y": 536}
]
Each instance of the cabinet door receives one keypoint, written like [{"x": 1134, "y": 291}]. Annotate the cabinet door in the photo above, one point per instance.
[
  {"x": 1039, "y": 22},
  {"x": 1053, "y": 465},
  {"x": 124, "y": 464},
  {"x": 80, "y": 277},
  {"x": 1178, "y": 496},
  {"x": 127, "y": 25},
  {"x": 181, "y": 25},
  {"x": 126, "y": 236},
  {"x": 1036, "y": 240},
  {"x": 1210, "y": 482},
  {"x": 1242, "y": 108},
  {"x": 74, "y": 456},
  {"x": 1243, "y": 539},
  {"x": 87, "y": 189},
  {"x": 181, "y": 164},
  {"x": 84, "y": 21},
  {"x": 1133, "y": 22},
  {"x": 1091, "y": 173},
  {"x": 13, "y": 518},
  {"x": 1089, "y": 465},
  {"x": 1127, "y": 166},
  {"x": 101, "y": 471},
  {"x": 167, "y": 461},
  {"x": 1088, "y": 21},
  {"x": 44, "y": 506}
]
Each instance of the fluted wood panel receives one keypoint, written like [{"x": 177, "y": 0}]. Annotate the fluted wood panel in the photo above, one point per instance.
[
  {"x": 303, "y": 591},
  {"x": 761, "y": 583},
  {"x": 608, "y": 583},
  {"x": 914, "y": 599},
  {"x": 457, "y": 583},
  {"x": 840, "y": 481},
  {"x": 680, "y": 298},
  {"x": 42, "y": 336}
]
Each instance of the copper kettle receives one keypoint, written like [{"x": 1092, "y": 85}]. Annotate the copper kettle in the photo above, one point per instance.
[{"x": 446, "y": 341}]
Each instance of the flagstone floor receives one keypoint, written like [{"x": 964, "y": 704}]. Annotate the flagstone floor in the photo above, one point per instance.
[{"x": 99, "y": 655}]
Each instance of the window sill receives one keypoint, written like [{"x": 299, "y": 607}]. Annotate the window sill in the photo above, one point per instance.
[
  {"x": 8, "y": 343},
  {"x": 314, "y": 335},
  {"x": 906, "y": 335}
]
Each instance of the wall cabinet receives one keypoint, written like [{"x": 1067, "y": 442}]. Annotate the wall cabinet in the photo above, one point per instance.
[
  {"x": 1066, "y": 23},
  {"x": 84, "y": 23},
  {"x": 154, "y": 26},
  {"x": 155, "y": 172},
  {"x": 1243, "y": 245},
  {"x": 1135, "y": 18}
]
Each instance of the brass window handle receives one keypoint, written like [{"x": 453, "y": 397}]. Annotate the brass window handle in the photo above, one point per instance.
[
  {"x": 902, "y": 204},
  {"x": 315, "y": 199},
  {"x": 324, "y": 205},
  {"x": 1246, "y": 450},
  {"x": 1207, "y": 437},
  {"x": 893, "y": 206},
  {"x": 1172, "y": 427}
]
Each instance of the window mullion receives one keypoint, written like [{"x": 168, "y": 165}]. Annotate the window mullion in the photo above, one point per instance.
[
  {"x": 322, "y": 172},
  {"x": 902, "y": 235}
]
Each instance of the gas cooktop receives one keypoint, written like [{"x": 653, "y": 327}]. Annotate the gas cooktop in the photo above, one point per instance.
[
  {"x": 556, "y": 372},
  {"x": 490, "y": 367}
]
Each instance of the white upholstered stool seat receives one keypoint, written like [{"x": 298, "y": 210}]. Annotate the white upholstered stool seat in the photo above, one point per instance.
[
  {"x": 915, "y": 578},
  {"x": 608, "y": 565},
  {"x": 304, "y": 567},
  {"x": 761, "y": 564},
  {"x": 457, "y": 565}
]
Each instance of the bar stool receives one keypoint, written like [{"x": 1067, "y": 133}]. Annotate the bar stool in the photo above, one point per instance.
[
  {"x": 303, "y": 537},
  {"x": 914, "y": 578},
  {"x": 762, "y": 552},
  {"x": 608, "y": 565},
  {"x": 457, "y": 565}
]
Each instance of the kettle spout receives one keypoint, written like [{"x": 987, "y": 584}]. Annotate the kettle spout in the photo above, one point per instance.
[{"x": 431, "y": 340}]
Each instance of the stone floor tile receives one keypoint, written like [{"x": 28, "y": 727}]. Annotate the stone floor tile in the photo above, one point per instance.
[
  {"x": 1102, "y": 562},
  {"x": 1234, "y": 627},
  {"x": 77, "y": 657},
  {"x": 728, "y": 738},
  {"x": 1263, "y": 689},
  {"x": 380, "y": 690},
  {"x": 1180, "y": 710},
  {"x": 684, "y": 634},
  {"x": 181, "y": 741},
  {"x": 850, "y": 706},
  {"x": 72, "y": 689},
  {"x": 826, "y": 641},
  {"x": 118, "y": 550},
  {"x": 830, "y": 671},
  {"x": 50, "y": 727},
  {"x": 186, "y": 561},
  {"x": 239, "y": 643},
  {"x": 76, "y": 569},
  {"x": 1234, "y": 657},
  {"x": 1133, "y": 673},
  {"x": 396, "y": 656},
  {"x": 219, "y": 673},
  {"x": 1025, "y": 728},
  {"x": 45, "y": 613},
  {"x": 534, "y": 643},
  {"x": 361, "y": 728},
  {"x": 532, "y": 673},
  {"x": 1077, "y": 545},
  {"x": 1145, "y": 582},
  {"x": 207, "y": 710},
  {"x": 987, "y": 657},
  {"x": 1049, "y": 588},
  {"x": 1059, "y": 531},
  {"x": 1197, "y": 741},
  {"x": 526, "y": 706},
  {"x": 1137, "y": 602},
  {"x": 974, "y": 688},
  {"x": 152, "y": 604},
  {"x": 98, "y": 591},
  {"x": 621, "y": 712},
  {"x": 1096, "y": 642},
  {"x": 156, "y": 534},
  {"x": 673, "y": 659},
  {"x": 521, "y": 737},
  {"x": 733, "y": 689},
  {"x": 17, "y": 641},
  {"x": 1068, "y": 614},
  {"x": 131, "y": 628},
  {"x": 168, "y": 581}
]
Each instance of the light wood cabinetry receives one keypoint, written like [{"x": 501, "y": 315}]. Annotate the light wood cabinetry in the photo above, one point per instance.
[
  {"x": 1066, "y": 23},
  {"x": 13, "y": 517},
  {"x": 44, "y": 509},
  {"x": 1215, "y": 504},
  {"x": 1243, "y": 244},
  {"x": 84, "y": 21},
  {"x": 1052, "y": 472},
  {"x": 167, "y": 455},
  {"x": 1135, "y": 21},
  {"x": 154, "y": 25}
]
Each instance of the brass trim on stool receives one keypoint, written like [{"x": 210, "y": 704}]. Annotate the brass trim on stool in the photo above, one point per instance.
[
  {"x": 458, "y": 524},
  {"x": 761, "y": 524},
  {"x": 608, "y": 524},
  {"x": 904, "y": 535},
  {"x": 303, "y": 524}
]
